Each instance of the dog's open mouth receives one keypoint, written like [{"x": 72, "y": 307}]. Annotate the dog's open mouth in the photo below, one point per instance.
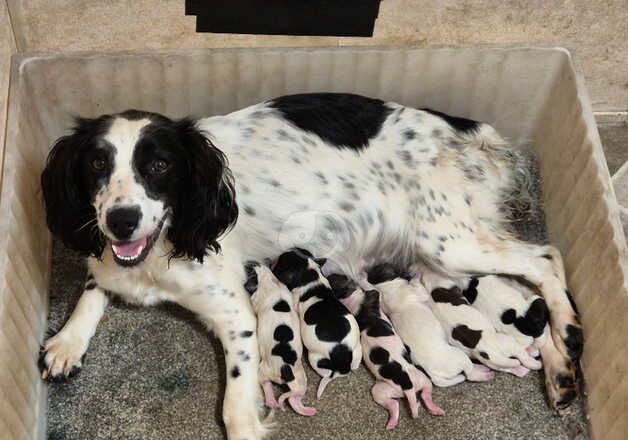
[{"x": 131, "y": 253}]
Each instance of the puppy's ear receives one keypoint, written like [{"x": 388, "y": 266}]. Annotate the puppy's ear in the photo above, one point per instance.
[
  {"x": 206, "y": 207},
  {"x": 69, "y": 213}
]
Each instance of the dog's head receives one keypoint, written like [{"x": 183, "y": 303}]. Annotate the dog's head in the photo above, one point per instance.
[{"x": 120, "y": 180}]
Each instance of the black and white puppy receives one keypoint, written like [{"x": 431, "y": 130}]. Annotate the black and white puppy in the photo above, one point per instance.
[
  {"x": 406, "y": 301},
  {"x": 329, "y": 332},
  {"x": 385, "y": 354},
  {"x": 279, "y": 338},
  {"x": 470, "y": 331},
  {"x": 502, "y": 302},
  {"x": 172, "y": 209}
]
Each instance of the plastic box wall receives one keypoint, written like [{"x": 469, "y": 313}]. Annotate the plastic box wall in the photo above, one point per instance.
[{"x": 528, "y": 94}]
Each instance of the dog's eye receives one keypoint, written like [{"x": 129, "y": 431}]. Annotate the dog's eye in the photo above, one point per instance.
[
  {"x": 98, "y": 164},
  {"x": 159, "y": 166}
]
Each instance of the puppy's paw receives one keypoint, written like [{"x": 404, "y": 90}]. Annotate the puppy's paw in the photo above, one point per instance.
[{"x": 61, "y": 357}]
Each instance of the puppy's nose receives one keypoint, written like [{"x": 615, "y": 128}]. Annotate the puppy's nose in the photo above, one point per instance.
[{"x": 123, "y": 221}]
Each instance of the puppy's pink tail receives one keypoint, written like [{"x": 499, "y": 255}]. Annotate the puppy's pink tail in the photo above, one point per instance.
[{"x": 322, "y": 385}]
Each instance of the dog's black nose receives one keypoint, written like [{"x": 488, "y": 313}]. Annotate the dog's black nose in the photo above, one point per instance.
[{"x": 123, "y": 221}]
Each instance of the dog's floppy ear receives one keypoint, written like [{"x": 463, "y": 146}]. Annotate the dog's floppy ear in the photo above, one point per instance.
[
  {"x": 206, "y": 207},
  {"x": 69, "y": 213}
]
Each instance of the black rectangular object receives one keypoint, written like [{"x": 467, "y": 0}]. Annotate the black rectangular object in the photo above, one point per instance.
[
  {"x": 193, "y": 7},
  {"x": 353, "y": 18}
]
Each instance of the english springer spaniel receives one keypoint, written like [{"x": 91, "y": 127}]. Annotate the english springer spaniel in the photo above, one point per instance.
[{"x": 170, "y": 210}]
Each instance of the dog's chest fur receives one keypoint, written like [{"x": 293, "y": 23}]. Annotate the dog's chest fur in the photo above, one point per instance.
[{"x": 159, "y": 279}]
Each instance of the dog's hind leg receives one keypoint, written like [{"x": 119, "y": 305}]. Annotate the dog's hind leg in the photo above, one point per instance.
[{"x": 481, "y": 250}]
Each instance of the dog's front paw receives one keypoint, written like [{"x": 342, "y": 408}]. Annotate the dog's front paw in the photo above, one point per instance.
[
  {"x": 61, "y": 357},
  {"x": 568, "y": 337},
  {"x": 561, "y": 383},
  {"x": 246, "y": 425}
]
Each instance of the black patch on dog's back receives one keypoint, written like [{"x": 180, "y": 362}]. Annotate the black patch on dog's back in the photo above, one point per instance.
[
  {"x": 285, "y": 352},
  {"x": 343, "y": 120},
  {"x": 466, "y": 336},
  {"x": 286, "y": 373},
  {"x": 509, "y": 316},
  {"x": 281, "y": 306},
  {"x": 328, "y": 317},
  {"x": 461, "y": 125},
  {"x": 369, "y": 316},
  {"x": 535, "y": 319},
  {"x": 452, "y": 296},
  {"x": 379, "y": 355},
  {"x": 394, "y": 371},
  {"x": 339, "y": 360},
  {"x": 283, "y": 333}
]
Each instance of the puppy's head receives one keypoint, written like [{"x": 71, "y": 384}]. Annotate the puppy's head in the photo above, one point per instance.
[
  {"x": 121, "y": 180},
  {"x": 296, "y": 268}
]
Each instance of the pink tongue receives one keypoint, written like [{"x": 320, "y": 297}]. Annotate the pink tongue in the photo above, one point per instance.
[{"x": 129, "y": 248}]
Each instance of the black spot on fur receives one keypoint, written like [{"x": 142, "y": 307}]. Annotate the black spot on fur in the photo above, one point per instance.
[
  {"x": 343, "y": 120},
  {"x": 471, "y": 292},
  {"x": 285, "y": 352},
  {"x": 571, "y": 301},
  {"x": 246, "y": 334},
  {"x": 452, "y": 296},
  {"x": 395, "y": 372},
  {"x": 328, "y": 317},
  {"x": 379, "y": 355},
  {"x": 409, "y": 134},
  {"x": 292, "y": 268},
  {"x": 283, "y": 333},
  {"x": 466, "y": 336},
  {"x": 235, "y": 372},
  {"x": 567, "y": 398},
  {"x": 461, "y": 125},
  {"x": 547, "y": 256},
  {"x": 564, "y": 380},
  {"x": 251, "y": 277},
  {"x": 369, "y": 316},
  {"x": 281, "y": 306},
  {"x": 341, "y": 285},
  {"x": 574, "y": 342},
  {"x": 509, "y": 316},
  {"x": 319, "y": 291},
  {"x": 286, "y": 373},
  {"x": 386, "y": 272},
  {"x": 339, "y": 360},
  {"x": 406, "y": 354},
  {"x": 535, "y": 319}
]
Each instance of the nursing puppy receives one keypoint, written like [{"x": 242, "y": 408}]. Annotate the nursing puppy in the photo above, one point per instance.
[
  {"x": 329, "y": 332},
  {"x": 469, "y": 330},
  {"x": 406, "y": 304},
  {"x": 508, "y": 310},
  {"x": 279, "y": 339},
  {"x": 385, "y": 354}
]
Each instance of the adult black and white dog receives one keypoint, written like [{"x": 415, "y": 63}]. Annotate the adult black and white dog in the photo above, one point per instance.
[{"x": 170, "y": 210}]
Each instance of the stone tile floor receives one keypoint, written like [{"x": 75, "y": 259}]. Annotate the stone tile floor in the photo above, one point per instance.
[{"x": 156, "y": 374}]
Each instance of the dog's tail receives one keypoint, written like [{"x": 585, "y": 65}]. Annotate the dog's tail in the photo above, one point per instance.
[{"x": 515, "y": 178}]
